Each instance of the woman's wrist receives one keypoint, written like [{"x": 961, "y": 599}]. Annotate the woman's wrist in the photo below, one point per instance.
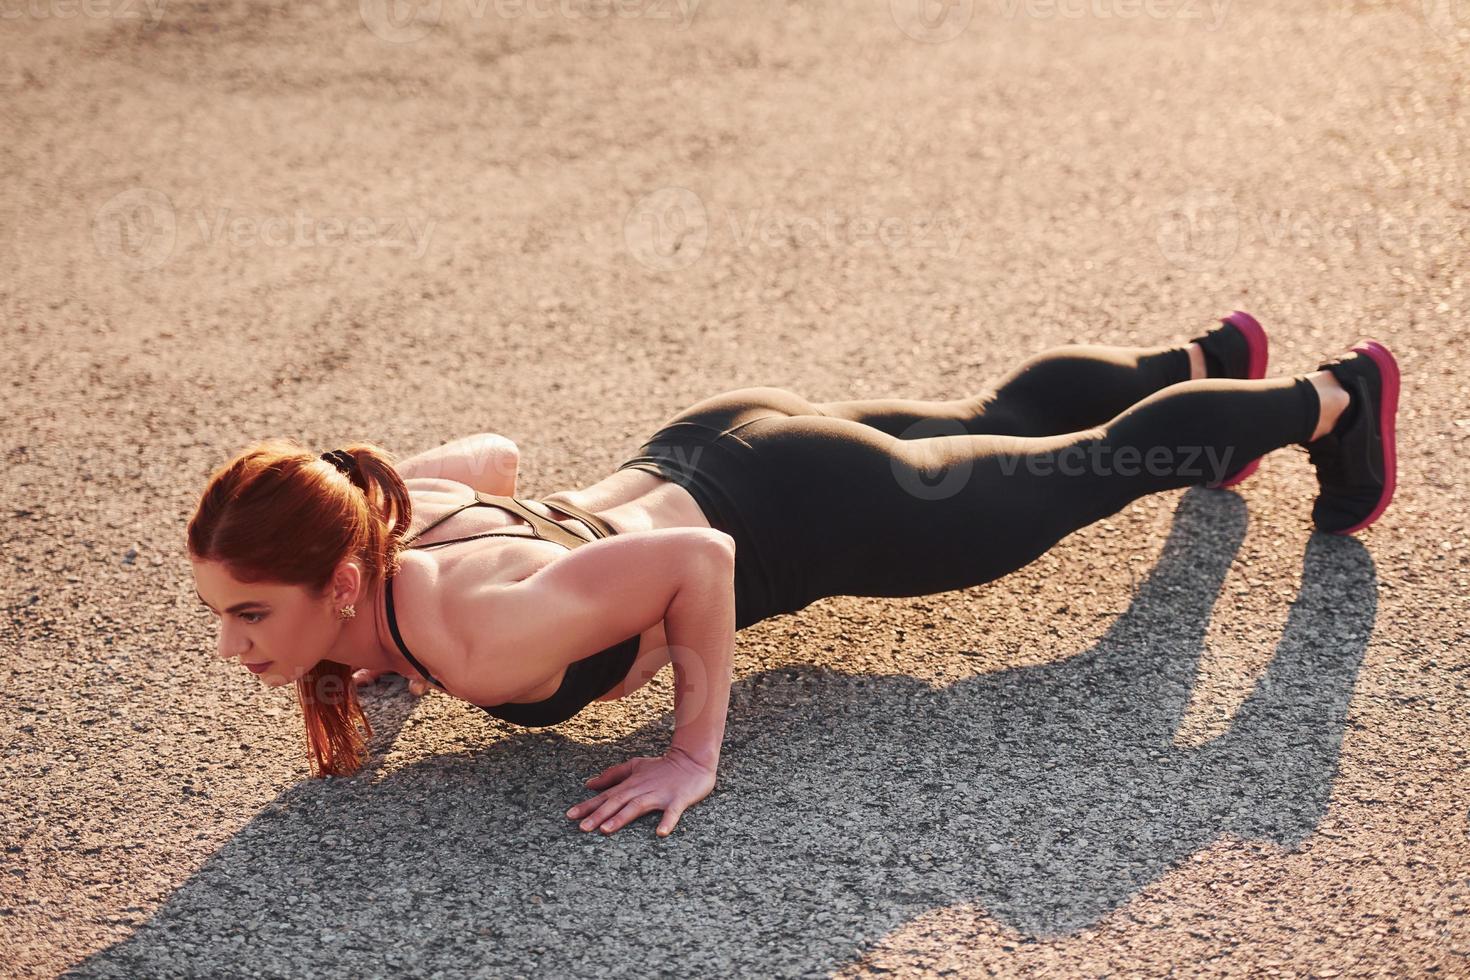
[
  {"x": 700, "y": 627},
  {"x": 707, "y": 757}
]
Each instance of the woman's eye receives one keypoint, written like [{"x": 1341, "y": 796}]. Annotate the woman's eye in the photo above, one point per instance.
[{"x": 252, "y": 622}]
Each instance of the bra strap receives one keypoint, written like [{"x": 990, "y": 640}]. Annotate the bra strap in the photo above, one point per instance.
[
  {"x": 545, "y": 527},
  {"x": 398, "y": 637},
  {"x": 421, "y": 531},
  {"x": 599, "y": 526}
]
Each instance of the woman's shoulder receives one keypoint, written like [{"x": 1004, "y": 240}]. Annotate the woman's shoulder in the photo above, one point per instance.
[
  {"x": 413, "y": 600},
  {"x": 445, "y": 613}
]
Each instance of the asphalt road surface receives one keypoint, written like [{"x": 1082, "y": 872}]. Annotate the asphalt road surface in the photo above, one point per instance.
[{"x": 1193, "y": 739}]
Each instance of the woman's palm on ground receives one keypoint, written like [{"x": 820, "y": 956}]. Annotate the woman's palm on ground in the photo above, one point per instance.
[{"x": 416, "y": 685}]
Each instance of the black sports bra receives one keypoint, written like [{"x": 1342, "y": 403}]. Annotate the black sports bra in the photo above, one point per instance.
[{"x": 587, "y": 679}]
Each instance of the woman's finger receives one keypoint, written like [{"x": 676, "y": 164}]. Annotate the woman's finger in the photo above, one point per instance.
[
  {"x": 587, "y": 806},
  {"x": 611, "y": 774},
  {"x": 632, "y": 810},
  {"x": 365, "y": 676},
  {"x": 671, "y": 816},
  {"x": 610, "y": 806},
  {"x": 595, "y": 816}
]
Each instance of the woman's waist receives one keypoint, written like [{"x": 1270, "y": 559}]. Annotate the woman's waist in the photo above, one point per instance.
[
  {"x": 685, "y": 443},
  {"x": 703, "y": 461},
  {"x": 739, "y": 492},
  {"x": 735, "y": 490}
]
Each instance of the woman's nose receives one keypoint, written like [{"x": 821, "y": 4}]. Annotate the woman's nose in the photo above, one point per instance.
[{"x": 229, "y": 647}]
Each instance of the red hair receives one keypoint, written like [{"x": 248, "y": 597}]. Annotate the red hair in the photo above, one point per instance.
[{"x": 278, "y": 513}]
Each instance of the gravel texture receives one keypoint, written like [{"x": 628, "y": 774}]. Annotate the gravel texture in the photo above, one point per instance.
[{"x": 1194, "y": 739}]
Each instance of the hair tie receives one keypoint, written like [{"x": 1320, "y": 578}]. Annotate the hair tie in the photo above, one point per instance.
[{"x": 341, "y": 459}]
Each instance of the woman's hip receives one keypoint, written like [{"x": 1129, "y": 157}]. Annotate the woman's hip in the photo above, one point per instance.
[{"x": 730, "y": 411}]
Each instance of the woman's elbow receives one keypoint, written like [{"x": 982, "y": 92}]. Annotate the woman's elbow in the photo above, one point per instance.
[{"x": 721, "y": 546}]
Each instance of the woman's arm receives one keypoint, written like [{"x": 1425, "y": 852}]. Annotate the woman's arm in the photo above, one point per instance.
[
  {"x": 485, "y": 461},
  {"x": 700, "y": 625},
  {"x": 597, "y": 595}
]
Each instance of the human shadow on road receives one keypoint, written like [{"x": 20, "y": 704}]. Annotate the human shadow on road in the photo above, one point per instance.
[{"x": 847, "y": 805}]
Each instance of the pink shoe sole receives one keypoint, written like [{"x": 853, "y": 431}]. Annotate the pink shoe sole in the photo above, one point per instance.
[
  {"x": 1388, "y": 370},
  {"x": 1255, "y": 337}
]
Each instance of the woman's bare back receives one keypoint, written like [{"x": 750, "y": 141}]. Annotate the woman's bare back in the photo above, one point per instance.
[{"x": 629, "y": 500}]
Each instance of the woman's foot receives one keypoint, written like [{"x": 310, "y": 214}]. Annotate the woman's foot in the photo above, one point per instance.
[
  {"x": 1237, "y": 348},
  {"x": 1332, "y": 400},
  {"x": 1355, "y": 457}
]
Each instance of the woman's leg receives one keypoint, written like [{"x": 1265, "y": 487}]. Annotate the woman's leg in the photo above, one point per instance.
[
  {"x": 1063, "y": 389},
  {"x": 862, "y": 512}
]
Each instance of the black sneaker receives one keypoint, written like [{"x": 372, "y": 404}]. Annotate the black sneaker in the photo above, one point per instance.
[
  {"x": 1356, "y": 463},
  {"x": 1237, "y": 348}
]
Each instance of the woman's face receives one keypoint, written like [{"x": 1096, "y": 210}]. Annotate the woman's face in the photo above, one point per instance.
[{"x": 278, "y": 632}]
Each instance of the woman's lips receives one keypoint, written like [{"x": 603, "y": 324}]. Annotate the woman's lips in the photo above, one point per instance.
[{"x": 257, "y": 668}]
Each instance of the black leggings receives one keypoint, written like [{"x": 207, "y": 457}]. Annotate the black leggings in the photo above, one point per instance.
[{"x": 898, "y": 497}]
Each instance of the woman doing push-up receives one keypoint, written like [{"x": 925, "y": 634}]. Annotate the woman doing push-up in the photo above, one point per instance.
[{"x": 330, "y": 570}]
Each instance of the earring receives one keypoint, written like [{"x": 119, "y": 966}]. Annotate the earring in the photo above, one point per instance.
[{"x": 346, "y": 612}]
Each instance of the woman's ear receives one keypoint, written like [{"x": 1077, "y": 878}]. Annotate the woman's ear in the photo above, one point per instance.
[{"x": 347, "y": 584}]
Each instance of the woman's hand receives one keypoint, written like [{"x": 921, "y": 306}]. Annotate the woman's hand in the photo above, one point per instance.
[
  {"x": 671, "y": 782},
  {"x": 417, "y": 685}
]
